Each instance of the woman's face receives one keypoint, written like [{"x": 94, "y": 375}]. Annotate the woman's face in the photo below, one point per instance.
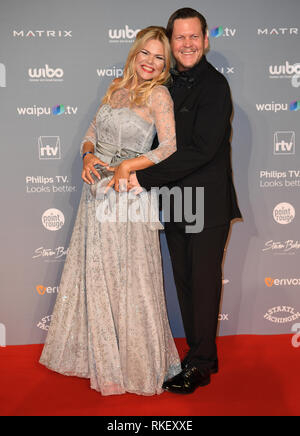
[{"x": 150, "y": 60}]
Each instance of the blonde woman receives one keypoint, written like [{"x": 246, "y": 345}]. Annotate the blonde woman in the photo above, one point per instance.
[{"x": 110, "y": 321}]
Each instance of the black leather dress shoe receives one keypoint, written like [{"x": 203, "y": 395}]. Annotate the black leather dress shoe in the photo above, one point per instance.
[
  {"x": 188, "y": 380},
  {"x": 213, "y": 370}
]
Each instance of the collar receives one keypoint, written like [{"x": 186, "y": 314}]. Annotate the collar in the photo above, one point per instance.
[{"x": 188, "y": 78}]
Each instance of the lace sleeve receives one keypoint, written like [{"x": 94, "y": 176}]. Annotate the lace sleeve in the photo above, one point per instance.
[
  {"x": 162, "y": 111},
  {"x": 91, "y": 133}
]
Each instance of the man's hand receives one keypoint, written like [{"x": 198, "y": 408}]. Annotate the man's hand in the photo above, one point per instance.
[
  {"x": 89, "y": 161},
  {"x": 133, "y": 184},
  {"x": 121, "y": 177}
]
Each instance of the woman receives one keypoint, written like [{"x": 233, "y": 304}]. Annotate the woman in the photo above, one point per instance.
[{"x": 110, "y": 321}]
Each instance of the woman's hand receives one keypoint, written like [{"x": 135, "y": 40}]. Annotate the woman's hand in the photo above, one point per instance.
[
  {"x": 89, "y": 162},
  {"x": 120, "y": 178}
]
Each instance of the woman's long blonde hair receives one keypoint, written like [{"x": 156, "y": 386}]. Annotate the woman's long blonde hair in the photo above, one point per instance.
[{"x": 139, "y": 93}]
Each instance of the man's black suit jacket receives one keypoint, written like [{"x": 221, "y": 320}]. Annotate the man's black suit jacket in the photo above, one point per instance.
[{"x": 203, "y": 108}]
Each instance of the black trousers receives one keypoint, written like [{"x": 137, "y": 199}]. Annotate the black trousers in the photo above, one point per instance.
[{"x": 197, "y": 267}]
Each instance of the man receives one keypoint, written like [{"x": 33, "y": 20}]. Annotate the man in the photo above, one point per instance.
[{"x": 203, "y": 108}]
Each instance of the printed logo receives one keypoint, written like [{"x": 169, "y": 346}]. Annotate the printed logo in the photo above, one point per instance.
[
  {"x": 296, "y": 337},
  {"x": 49, "y": 147},
  {"x": 58, "y": 110},
  {"x": 2, "y": 76},
  {"x": 284, "y": 143},
  {"x": 295, "y": 105},
  {"x": 53, "y": 219},
  {"x": 49, "y": 254},
  {"x": 110, "y": 72},
  {"x": 273, "y": 315},
  {"x": 277, "y": 107},
  {"x": 218, "y": 31},
  {"x": 284, "y": 213},
  {"x": 46, "y": 74},
  {"x": 31, "y": 34},
  {"x": 224, "y": 317},
  {"x": 280, "y": 179},
  {"x": 287, "y": 247},
  {"x": 226, "y": 70},
  {"x": 283, "y": 31},
  {"x": 284, "y": 71},
  {"x": 122, "y": 35},
  {"x": 44, "y": 324},
  {"x": 40, "y": 111},
  {"x": 2, "y": 335},
  {"x": 42, "y": 290},
  {"x": 46, "y": 185},
  {"x": 270, "y": 282}
]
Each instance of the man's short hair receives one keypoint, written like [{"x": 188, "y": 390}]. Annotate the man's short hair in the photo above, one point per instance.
[{"x": 182, "y": 14}]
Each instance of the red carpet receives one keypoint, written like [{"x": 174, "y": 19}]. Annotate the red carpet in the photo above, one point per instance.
[{"x": 259, "y": 375}]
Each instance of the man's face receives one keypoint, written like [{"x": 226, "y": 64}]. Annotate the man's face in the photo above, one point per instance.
[{"x": 188, "y": 43}]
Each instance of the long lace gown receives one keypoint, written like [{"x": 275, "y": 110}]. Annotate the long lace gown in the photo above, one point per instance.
[{"x": 110, "y": 321}]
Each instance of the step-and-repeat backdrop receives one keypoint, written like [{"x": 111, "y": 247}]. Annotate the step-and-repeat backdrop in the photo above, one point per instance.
[{"x": 56, "y": 60}]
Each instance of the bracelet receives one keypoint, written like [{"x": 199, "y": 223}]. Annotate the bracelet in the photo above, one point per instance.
[{"x": 88, "y": 152}]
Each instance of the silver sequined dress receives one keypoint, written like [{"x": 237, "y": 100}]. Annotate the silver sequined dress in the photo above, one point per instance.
[{"x": 110, "y": 321}]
